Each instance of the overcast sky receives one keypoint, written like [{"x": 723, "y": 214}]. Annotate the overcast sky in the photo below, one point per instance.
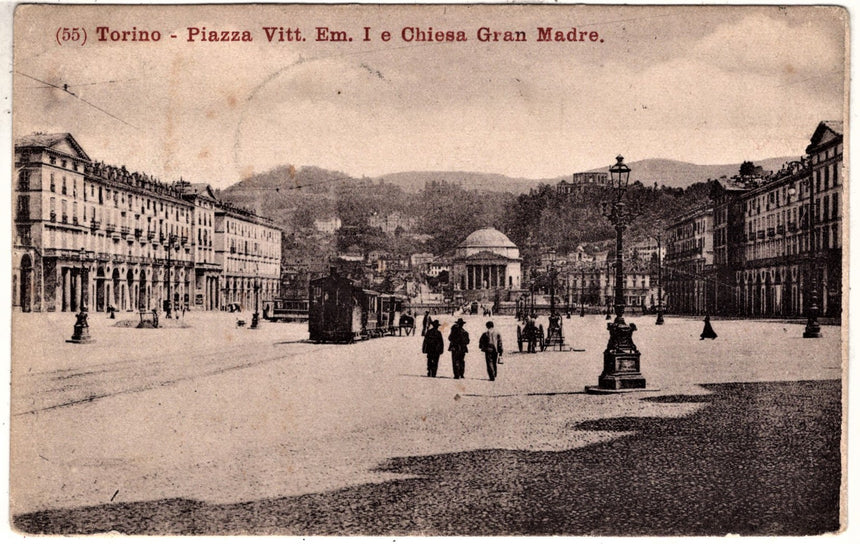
[{"x": 701, "y": 84}]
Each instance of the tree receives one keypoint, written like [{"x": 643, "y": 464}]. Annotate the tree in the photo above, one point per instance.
[{"x": 747, "y": 168}]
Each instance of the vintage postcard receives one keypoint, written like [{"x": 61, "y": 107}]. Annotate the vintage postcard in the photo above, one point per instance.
[{"x": 428, "y": 270}]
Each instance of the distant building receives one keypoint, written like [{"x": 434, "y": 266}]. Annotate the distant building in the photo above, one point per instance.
[
  {"x": 391, "y": 222},
  {"x": 486, "y": 262},
  {"x": 646, "y": 249},
  {"x": 690, "y": 286},
  {"x": 438, "y": 266},
  {"x": 580, "y": 180},
  {"x": 328, "y": 225},
  {"x": 420, "y": 262}
]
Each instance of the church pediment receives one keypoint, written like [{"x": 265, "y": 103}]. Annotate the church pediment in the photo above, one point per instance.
[{"x": 484, "y": 256}]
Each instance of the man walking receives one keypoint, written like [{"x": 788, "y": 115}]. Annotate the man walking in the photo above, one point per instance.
[
  {"x": 458, "y": 341},
  {"x": 491, "y": 344},
  {"x": 433, "y": 347}
]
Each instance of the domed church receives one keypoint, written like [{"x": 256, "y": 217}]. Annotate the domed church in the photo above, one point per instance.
[{"x": 486, "y": 261}]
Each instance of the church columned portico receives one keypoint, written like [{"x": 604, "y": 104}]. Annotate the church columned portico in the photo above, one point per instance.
[
  {"x": 486, "y": 276},
  {"x": 486, "y": 261}
]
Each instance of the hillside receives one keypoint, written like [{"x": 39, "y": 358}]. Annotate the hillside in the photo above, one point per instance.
[
  {"x": 683, "y": 174},
  {"x": 414, "y": 182}
]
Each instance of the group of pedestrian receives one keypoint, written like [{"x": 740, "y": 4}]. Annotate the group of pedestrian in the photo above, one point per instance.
[{"x": 490, "y": 343}]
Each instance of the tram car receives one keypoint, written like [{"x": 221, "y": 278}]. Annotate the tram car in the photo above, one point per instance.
[
  {"x": 341, "y": 311},
  {"x": 286, "y": 309}
]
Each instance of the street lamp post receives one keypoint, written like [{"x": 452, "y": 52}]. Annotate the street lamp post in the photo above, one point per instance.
[
  {"x": 171, "y": 239},
  {"x": 552, "y": 282},
  {"x": 81, "y": 331},
  {"x": 608, "y": 305},
  {"x": 621, "y": 370},
  {"x": 255, "y": 319},
  {"x": 659, "y": 279},
  {"x": 581, "y": 287},
  {"x": 812, "y": 329}
]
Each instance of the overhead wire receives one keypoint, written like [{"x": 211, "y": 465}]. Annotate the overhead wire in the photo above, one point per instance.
[{"x": 65, "y": 89}]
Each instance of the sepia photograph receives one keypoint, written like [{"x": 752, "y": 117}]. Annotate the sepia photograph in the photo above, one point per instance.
[{"x": 428, "y": 270}]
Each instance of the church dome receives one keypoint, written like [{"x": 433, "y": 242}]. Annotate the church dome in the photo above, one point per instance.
[{"x": 489, "y": 240}]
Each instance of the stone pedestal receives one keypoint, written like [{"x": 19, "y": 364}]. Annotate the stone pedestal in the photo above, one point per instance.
[
  {"x": 621, "y": 371},
  {"x": 81, "y": 333}
]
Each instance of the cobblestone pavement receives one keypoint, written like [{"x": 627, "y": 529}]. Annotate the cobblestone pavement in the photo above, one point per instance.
[{"x": 215, "y": 429}]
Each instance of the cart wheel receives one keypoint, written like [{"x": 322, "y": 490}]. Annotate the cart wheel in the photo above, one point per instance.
[{"x": 520, "y": 338}]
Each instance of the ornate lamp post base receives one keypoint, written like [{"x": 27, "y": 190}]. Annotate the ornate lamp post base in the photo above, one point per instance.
[
  {"x": 621, "y": 372},
  {"x": 659, "y": 317},
  {"x": 812, "y": 330},
  {"x": 81, "y": 333}
]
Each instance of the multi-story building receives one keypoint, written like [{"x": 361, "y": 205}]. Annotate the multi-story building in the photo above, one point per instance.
[
  {"x": 95, "y": 235},
  {"x": 729, "y": 240},
  {"x": 793, "y": 234},
  {"x": 389, "y": 224},
  {"x": 593, "y": 284},
  {"x": 248, "y": 248},
  {"x": 207, "y": 270},
  {"x": 776, "y": 240},
  {"x": 825, "y": 154},
  {"x": 580, "y": 180},
  {"x": 328, "y": 225},
  {"x": 688, "y": 267}
]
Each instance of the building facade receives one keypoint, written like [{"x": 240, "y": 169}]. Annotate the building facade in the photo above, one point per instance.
[
  {"x": 580, "y": 180},
  {"x": 688, "y": 267},
  {"x": 94, "y": 235},
  {"x": 248, "y": 249},
  {"x": 484, "y": 264},
  {"x": 776, "y": 240}
]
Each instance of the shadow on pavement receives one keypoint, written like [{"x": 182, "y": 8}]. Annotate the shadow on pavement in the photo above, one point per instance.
[{"x": 755, "y": 459}]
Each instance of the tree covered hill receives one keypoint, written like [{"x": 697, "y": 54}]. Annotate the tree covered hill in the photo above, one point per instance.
[
  {"x": 445, "y": 209},
  {"x": 671, "y": 173}
]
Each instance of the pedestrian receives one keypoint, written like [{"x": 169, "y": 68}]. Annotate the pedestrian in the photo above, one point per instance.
[
  {"x": 530, "y": 334},
  {"x": 708, "y": 331},
  {"x": 433, "y": 346},
  {"x": 491, "y": 344},
  {"x": 425, "y": 323},
  {"x": 458, "y": 342}
]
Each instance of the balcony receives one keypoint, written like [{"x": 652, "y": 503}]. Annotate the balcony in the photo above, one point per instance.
[
  {"x": 792, "y": 226},
  {"x": 124, "y": 230},
  {"x": 138, "y": 233},
  {"x": 150, "y": 234},
  {"x": 761, "y": 234},
  {"x": 103, "y": 257},
  {"x": 53, "y": 217},
  {"x": 109, "y": 227},
  {"x": 119, "y": 258},
  {"x": 771, "y": 232},
  {"x": 94, "y": 225},
  {"x": 780, "y": 229},
  {"x": 184, "y": 240}
]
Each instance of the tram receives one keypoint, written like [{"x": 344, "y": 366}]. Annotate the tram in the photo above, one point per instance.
[{"x": 341, "y": 311}]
